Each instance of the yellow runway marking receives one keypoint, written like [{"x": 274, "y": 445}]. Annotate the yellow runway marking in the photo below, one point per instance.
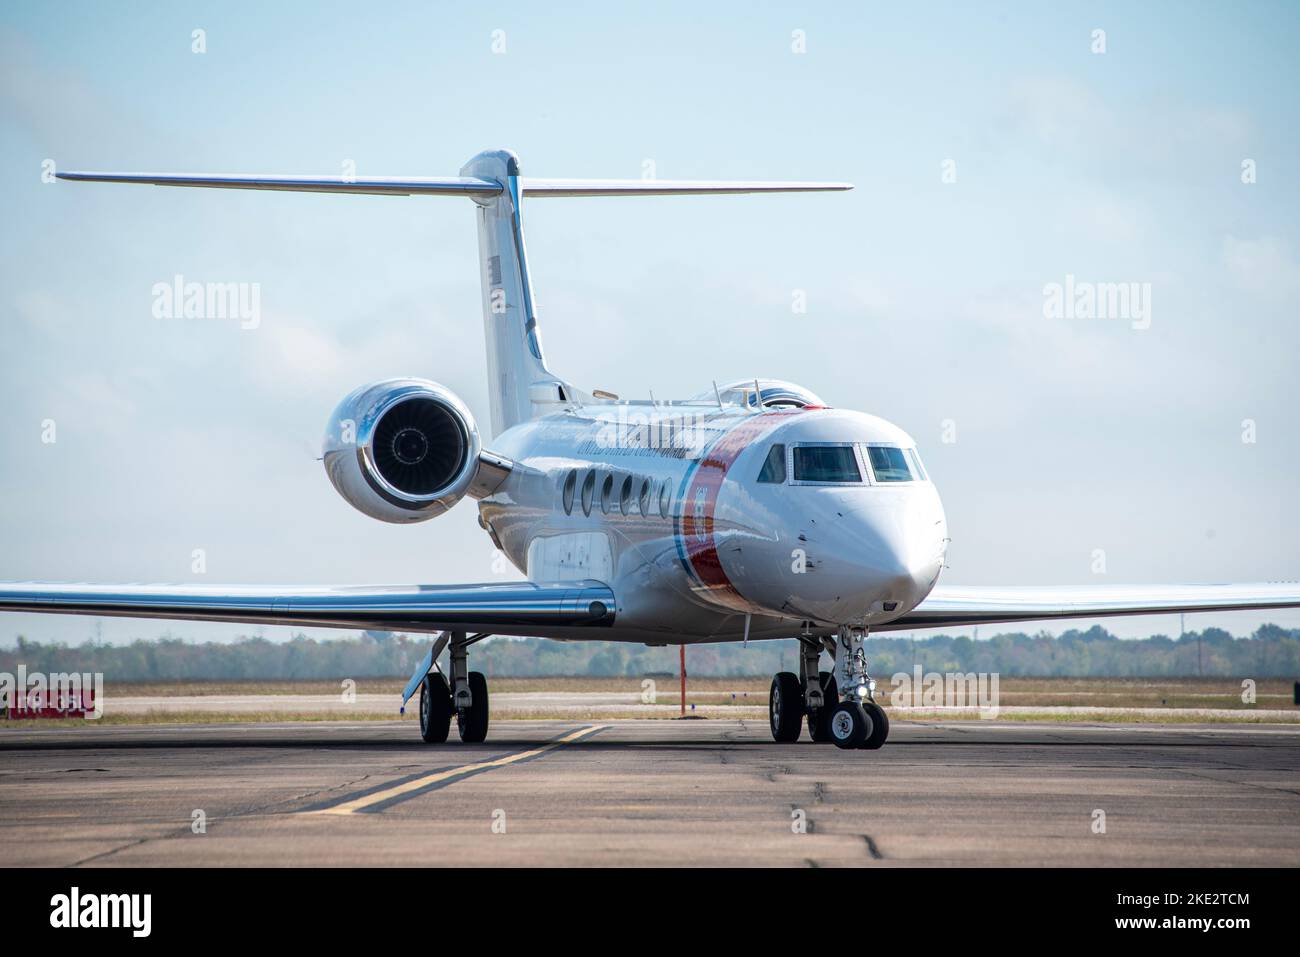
[{"x": 379, "y": 797}]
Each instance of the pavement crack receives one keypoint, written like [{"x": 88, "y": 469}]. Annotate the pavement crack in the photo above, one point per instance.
[
  {"x": 1249, "y": 784},
  {"x": 103, "y": 854},
  {"x": 872, "y": 849},
  {"x": 350, "y": 785}
]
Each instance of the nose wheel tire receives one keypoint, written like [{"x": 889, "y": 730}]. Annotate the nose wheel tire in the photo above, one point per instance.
[
  {"x": 472, "y": 722},
  {"x": 435, "y": 708},
  {"x": 879, "y": 726},
  {"x": 850, "y": 726},
  {"x": 819, "y": 721},
  {"x": 785, "y": 707}
]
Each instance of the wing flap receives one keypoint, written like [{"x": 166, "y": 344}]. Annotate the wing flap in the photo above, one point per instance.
[
  {"x": 498, "y": 607},
  {"x": 978, "y": 605}
]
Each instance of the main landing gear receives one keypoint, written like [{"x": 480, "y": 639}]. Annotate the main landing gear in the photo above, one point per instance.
[
  {"x": 839, "y": 705},
  {"x": 466, "y": 697}
]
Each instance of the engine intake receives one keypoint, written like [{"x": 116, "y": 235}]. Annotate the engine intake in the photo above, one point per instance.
[
  {"x": 405, "y": 450},
  {"x": 419, "y": 446}
]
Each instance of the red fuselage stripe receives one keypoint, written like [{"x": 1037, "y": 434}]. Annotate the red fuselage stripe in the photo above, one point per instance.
[{"x": 698, "y": 508}]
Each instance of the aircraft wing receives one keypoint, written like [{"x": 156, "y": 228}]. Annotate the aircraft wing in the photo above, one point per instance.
[
  {"x": 527, "y": 608},
  {"x": 992, "y": 604}
]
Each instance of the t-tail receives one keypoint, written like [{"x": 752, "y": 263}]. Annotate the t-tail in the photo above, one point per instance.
[{"x": 522, "y": 387}]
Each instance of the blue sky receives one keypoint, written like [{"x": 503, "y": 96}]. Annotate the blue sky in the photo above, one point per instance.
[{"x": 925, "y": 298}]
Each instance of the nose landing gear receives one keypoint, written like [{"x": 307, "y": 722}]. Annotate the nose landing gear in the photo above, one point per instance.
[
  {"x": 857, "y": 691},
  {"x": 879, "y": 726},
  {"x": 849, "y": 725},
  {"x": 839, "y": 705}
]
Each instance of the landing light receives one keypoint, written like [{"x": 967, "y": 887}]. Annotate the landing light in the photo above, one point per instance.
[{"x": 862, "y": 691}]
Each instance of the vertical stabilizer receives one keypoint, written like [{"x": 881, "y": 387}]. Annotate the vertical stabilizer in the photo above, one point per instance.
[{"x": 519, "y": 384}]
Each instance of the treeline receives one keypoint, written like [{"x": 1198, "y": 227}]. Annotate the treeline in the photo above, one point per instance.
[{"x": 1271, "y": 652}]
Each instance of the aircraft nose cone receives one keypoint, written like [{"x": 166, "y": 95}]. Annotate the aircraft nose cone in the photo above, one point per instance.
[
  {"x": 910, "y": 546},
  {"x": 884, "y": 557},
  {"x": 901, "y": 550},
  {"x": 843, "y": 556}
]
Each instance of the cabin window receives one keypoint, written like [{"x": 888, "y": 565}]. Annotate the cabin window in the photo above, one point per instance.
[
  {"x": 826, "y": 463},
  {"x": 607, "y": 494},
  {"x": 625, "y": 496},
  {"x": 570, "y": 486},
  {"x": 588, "y": 492},
  {"x": 773, "y": 471},
  {"x": 665, "y": 499},
  {"x": 644, "y": 497}
]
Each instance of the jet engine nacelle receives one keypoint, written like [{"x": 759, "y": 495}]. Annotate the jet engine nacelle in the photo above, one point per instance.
[{"x": 405, "y": 450}]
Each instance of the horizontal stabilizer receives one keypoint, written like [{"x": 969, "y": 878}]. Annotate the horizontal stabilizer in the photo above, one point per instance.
[
  {"x": 454, "y": 185},
  {"x": 373, "y": 185},
  {"x": 666, "y": 187}
]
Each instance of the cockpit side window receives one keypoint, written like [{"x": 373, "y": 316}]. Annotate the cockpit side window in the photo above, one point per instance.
[
  {"x": 888, "y": 464},
  {"x": 915, "y": 458},
  {"x": 773, "y": 472},
  {"x": 826, "y": 463}
]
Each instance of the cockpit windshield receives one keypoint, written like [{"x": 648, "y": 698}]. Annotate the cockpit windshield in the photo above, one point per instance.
[
  {"x": 826, "y": 463},
  {"x": 841, "y": 463},
  {"x": 890, "y": 464}
]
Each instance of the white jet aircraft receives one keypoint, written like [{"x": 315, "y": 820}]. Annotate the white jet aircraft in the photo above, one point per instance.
[{"x": 751, "y": 511}]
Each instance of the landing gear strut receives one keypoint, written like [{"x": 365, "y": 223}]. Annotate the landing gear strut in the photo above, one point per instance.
[
  {"x": 820, "y": 692},
  {"x": 465, "y": 696},
  {"x": 839, "y": 705},
  {"x": 470, "y": 692},
  {"x": 857, "y": 722}
]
